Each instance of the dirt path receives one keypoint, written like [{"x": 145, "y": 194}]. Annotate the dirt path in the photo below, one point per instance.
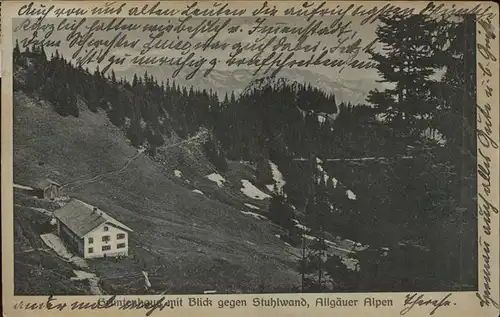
[
  {"x": 91, "y": 277},
  {"x": 58, "y": 246},
  {"x": 198, "y": 136},
  {"x": 94, "y": 286},
  {"x": 95, "y": 178}
]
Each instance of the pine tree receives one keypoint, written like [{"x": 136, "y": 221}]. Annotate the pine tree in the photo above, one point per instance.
[
  {"x": 408, "y": 62},
  {"x": 313, "y": 256},
  {"x": 455, "y": 117},
  {"x": 43, "y": 54},
  {"x": 17, "y": 53},
  {"x": 71, "y": 101},
  {"x": 135, "y": 81},
  {"x": 135, "y": 133},
  {"x": 280, "y": 212}
]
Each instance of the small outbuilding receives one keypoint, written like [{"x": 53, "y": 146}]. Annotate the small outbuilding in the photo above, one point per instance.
[{"x": 46, "y": 189}]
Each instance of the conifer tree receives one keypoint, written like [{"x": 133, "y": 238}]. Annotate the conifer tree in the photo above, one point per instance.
[
  {"x": 16, "y": 53},
  {"x": 280, "y": 212},
  {"x": 407, "y": 62}
]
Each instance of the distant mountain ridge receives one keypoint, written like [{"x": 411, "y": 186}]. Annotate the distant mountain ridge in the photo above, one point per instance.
[{"x": 225, "y": 81}]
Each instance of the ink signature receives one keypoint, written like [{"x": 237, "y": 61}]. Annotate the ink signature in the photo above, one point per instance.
[{"x": 414, "y": 299}]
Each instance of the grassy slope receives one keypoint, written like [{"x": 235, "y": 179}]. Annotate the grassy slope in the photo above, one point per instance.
[
  {"x": 37, "y": 271},
  {"x": 197, "y": 243},
  {"x": 191, "y": 161}
]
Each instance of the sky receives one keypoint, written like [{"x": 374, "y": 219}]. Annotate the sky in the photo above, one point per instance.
[{"x": 365, "y": 33}]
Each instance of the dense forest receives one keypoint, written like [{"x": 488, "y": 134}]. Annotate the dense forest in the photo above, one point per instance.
[{"x": 416, "y": 198}]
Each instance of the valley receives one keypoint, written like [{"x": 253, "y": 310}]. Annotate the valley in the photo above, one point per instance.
[{"x": 182, "y": 239}]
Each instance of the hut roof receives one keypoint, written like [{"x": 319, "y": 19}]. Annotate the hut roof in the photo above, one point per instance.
[
  {"x": 81, "y": 218},
  {"x": 42, "y": 183}
]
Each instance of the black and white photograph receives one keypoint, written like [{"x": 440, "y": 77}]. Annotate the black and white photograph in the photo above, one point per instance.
[{"x": 240, "y": 154}]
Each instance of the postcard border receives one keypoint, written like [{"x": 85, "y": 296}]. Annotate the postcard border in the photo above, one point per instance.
[{"x": 466, "y": 303}]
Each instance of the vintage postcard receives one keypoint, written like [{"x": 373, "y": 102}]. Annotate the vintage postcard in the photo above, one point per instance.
[{"x": 250, "y": 158}]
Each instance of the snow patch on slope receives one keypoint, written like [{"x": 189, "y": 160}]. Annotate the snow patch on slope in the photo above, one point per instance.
[
  {"x": 350, "y": 263},
  {"x": 251, "y": 191},
  {"x": 301, "y": 226},
  {"x": 279, "y": 181},
  {"x": 350, "y": 195},
  {"x": 178, "y": 173},
  {"x": 253, "y": 214},
  {"x": 323, "y": 175},
  {"x": 251, "y": 206},
  {"x": 214, "y": 177},
  {"x": 22, "y": 187}
]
